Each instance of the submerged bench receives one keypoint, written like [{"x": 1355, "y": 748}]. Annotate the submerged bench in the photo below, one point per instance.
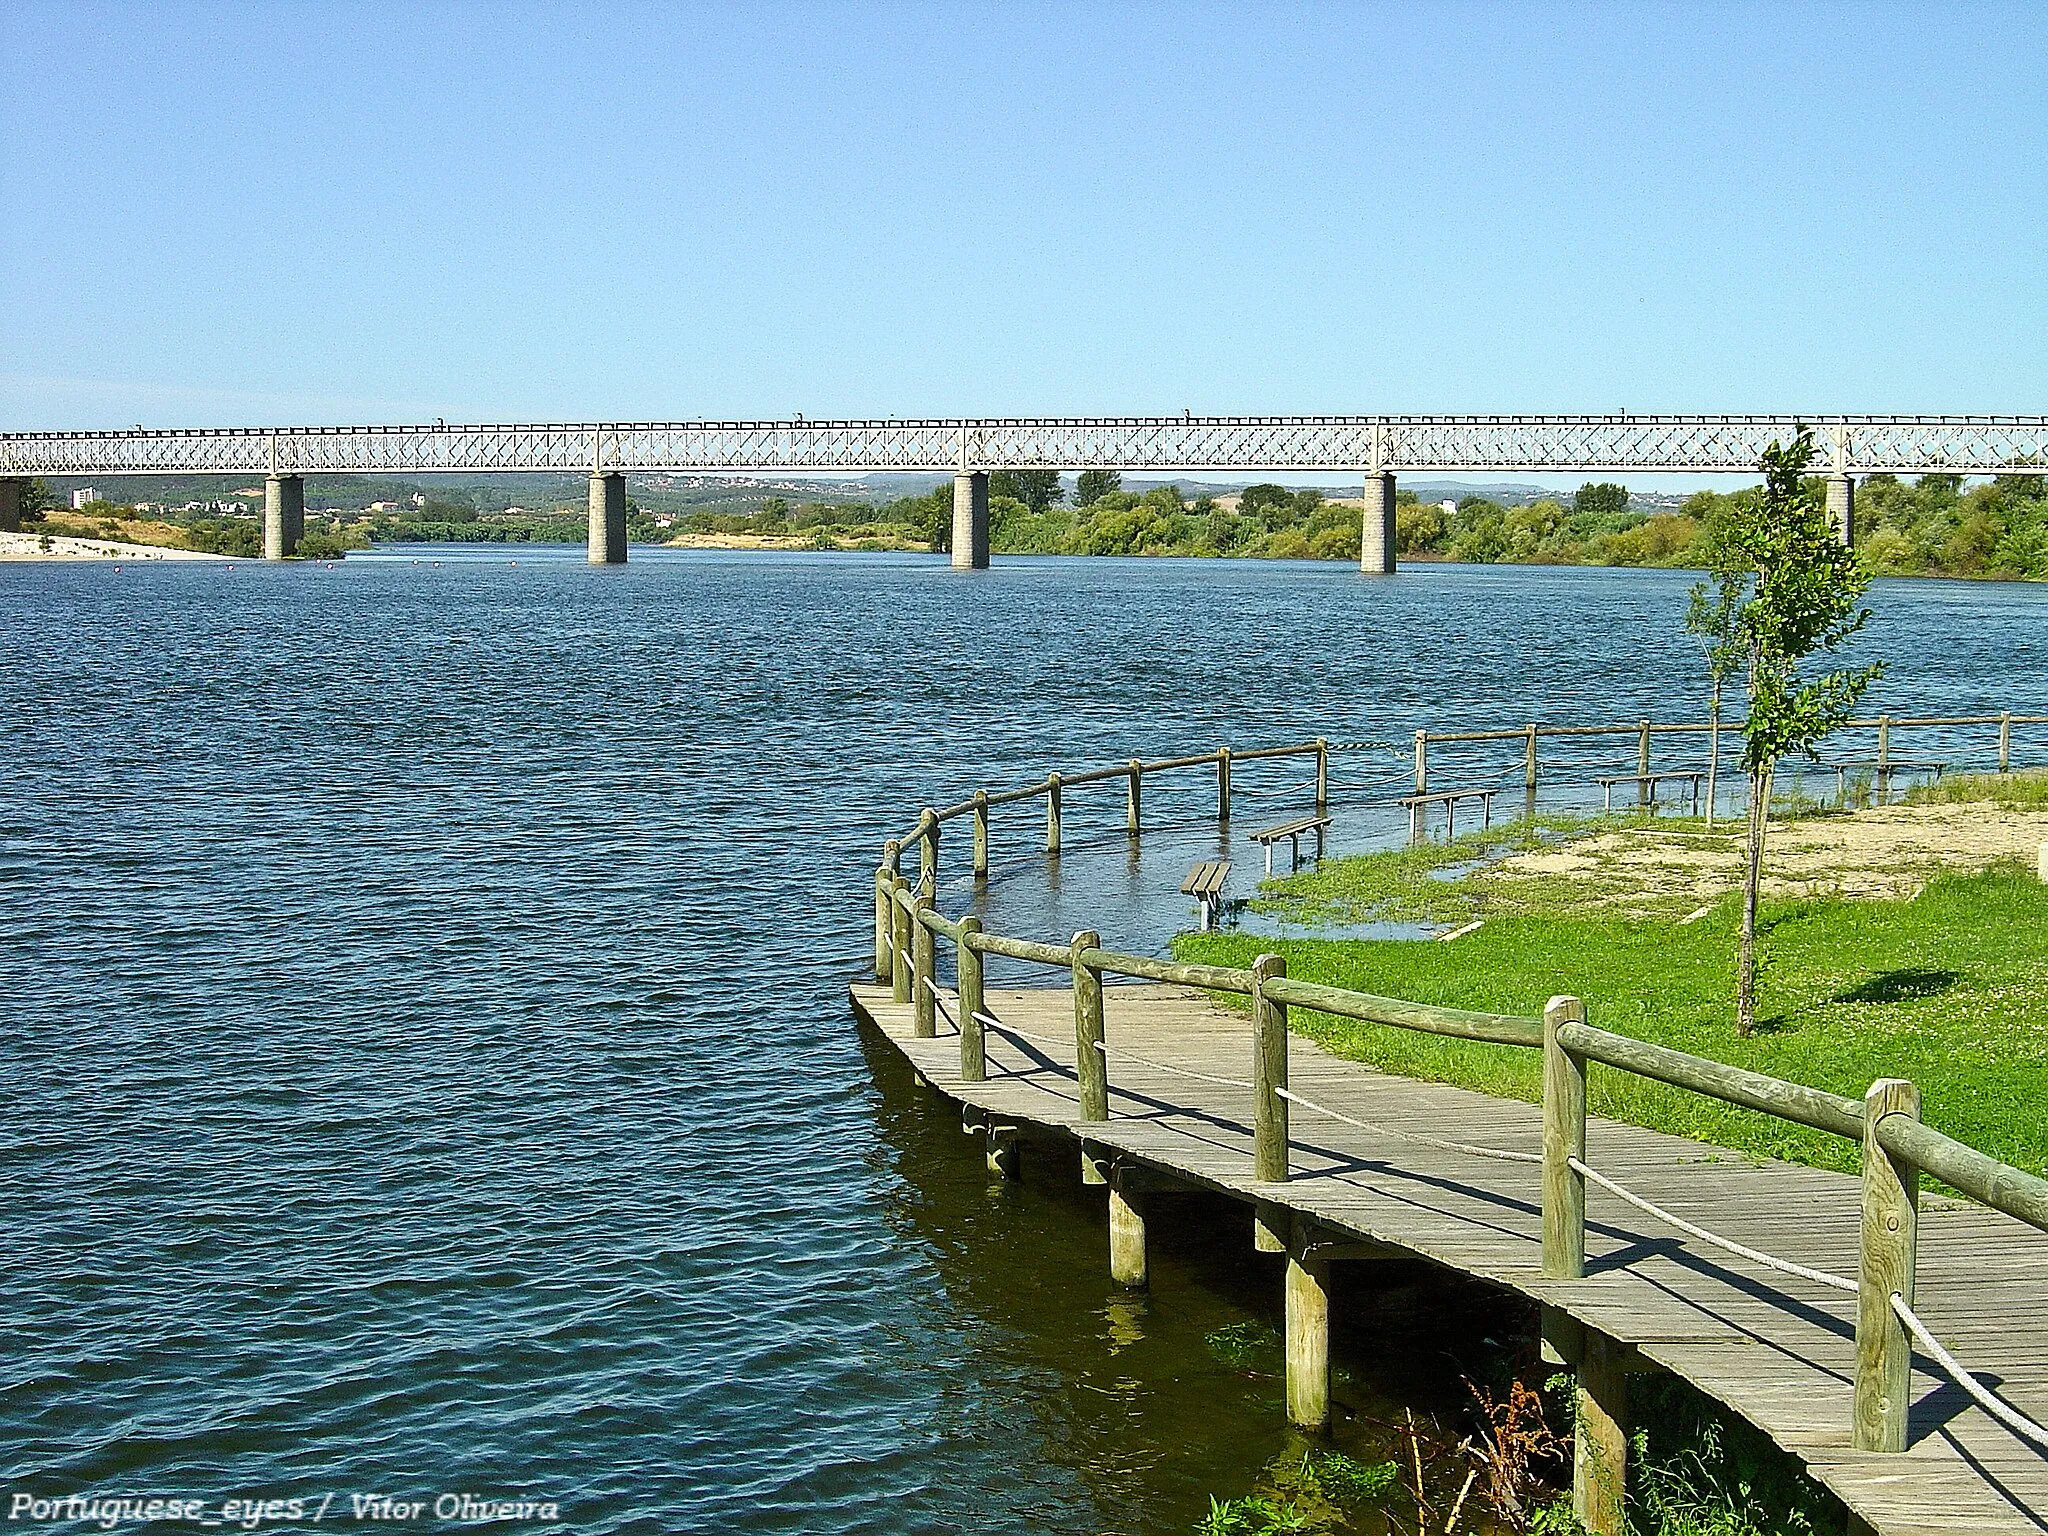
[
  {"x": 1647, "y": 783},
  {"x": 1418, "y": 806},
  {"x": 1884, "y": 769},
  {"x": 1205, "y": 884},
  {"x": 1292, "y": 831}
]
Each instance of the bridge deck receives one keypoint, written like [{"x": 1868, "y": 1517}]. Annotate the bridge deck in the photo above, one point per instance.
[{"x": 1778, "y": 1350}]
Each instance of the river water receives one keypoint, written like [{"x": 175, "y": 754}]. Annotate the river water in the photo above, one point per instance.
[{"x": 424, "y": 1040}]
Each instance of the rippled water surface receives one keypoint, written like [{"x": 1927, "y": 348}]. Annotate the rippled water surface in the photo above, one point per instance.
[{"x": 426, "y": 1056}]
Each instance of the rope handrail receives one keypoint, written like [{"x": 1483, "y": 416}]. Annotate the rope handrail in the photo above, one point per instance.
[
  {"x": 1429, "y": 1141},
  {"x": 1755, "y": 1255},
  {"x": 1992, "y": 1404}
]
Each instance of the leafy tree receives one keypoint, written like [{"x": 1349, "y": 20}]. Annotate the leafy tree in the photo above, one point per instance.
[
  {"x": 1036, "y": 488},
  {"x": 1095, "y": 484},
  {"x": 1271, "y": 504},
  {"x": 1601, "y": 501},
  {"x": 1418, "y": 525},
  {"x": 1797, "y": 591},
  {"x": 38, "y": 501}
]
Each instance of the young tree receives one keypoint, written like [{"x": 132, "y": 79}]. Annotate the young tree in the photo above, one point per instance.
[
  {"x": 1095, "y": 484},
  {"x": 1712, "y": 616},
  {"x": 1797, "y": 592}
]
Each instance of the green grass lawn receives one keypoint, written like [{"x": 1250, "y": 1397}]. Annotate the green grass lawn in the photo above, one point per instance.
[{"x": 1949, "y": 989}]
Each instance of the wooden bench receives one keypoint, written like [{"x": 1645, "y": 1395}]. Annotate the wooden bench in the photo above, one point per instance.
[
  {"x": 1418, "y": 806},
  {"x": 1292, "y": 831},
  {"x": 1647, "y": 783},
  {"x": 1205, "y": 884},
  {"x": 1883, "y": 769}
]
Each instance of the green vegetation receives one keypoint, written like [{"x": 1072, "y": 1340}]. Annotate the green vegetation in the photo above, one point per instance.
[
  {"x": 1946, "y": 989},
  {"x": 1696, "y": 1470},
  {"x": 1313, "y": 1494}
]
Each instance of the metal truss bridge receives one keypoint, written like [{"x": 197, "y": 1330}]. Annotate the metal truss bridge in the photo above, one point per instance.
[{"x": 1849, "y": 445}]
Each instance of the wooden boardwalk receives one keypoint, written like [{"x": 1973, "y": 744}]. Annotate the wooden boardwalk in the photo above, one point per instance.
[{"x": 1777, "y": 1349}]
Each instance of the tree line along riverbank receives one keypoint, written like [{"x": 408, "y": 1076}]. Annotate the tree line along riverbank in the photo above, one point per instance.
[{"x": 1935, "y": 526}]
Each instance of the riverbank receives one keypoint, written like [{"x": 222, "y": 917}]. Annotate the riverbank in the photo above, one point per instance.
[
  {"x": 34, "y": 546},
  {"x": 1909, "y": 941}
]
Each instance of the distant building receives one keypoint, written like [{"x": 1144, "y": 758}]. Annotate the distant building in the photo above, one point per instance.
[
  {"x": 81, "y": 497},
  {"x": 382, "y": 506},
  {"x": 1448, "y": 507}
]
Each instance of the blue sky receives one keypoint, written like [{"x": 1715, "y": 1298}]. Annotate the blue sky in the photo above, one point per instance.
[{"x": 322, "y": 213}]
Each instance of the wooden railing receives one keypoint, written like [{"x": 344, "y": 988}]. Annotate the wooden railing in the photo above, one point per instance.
[
  {"x": 1643, "y": 731},
  {"x": 1896, "y": 1145}
]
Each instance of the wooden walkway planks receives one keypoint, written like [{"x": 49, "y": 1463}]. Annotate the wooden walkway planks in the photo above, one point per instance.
[{"x": 1777, "y": 1349}]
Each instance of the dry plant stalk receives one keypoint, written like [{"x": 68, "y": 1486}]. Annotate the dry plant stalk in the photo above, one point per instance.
[{"x": 1515, "y": 1440}]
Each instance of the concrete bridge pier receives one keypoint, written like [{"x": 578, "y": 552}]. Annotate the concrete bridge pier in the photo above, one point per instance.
[
  {"x": 1842, "y": 508},
  {"x": 284, "y": 515},
  {"x": 10, "y": 505},
  {"x": 970, "y": 521},
  {"x": 1376, "y": 534},
  {"x": 608, "y": 518}
]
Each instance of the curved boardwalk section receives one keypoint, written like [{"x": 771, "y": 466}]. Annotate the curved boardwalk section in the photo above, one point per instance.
[{"x": 1776, "y": 1348}]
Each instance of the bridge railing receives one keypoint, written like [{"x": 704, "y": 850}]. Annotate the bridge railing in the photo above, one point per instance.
[{"x": 1896, "y": 1146}]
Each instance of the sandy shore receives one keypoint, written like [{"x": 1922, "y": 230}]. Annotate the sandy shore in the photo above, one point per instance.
[
  {"x": 799, "y": 541},
  {"x": 29, "y": 546},
  {"x": 1887, "y": 852}
]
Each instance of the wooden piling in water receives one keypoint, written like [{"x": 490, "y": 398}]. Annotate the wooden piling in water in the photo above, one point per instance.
[
  {"x": 1052, "y": 815},
  {"x": 981, "y": 834},
  {"x": 1223, "y": 785},
  {"x": 1600, "y": 1437},
  {"x": 1131, "y": 801},
  {"x": 1308, "y": 1330},
  {"x": 928, "y": 852},
  {"x": 1127, "y": 1228},
  {"x": 1890, "y": 1242},
  {"x": 1322, "y": 777}
]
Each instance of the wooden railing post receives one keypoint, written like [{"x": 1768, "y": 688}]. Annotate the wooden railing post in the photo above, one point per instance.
[
  {"x": 981, "y": 834},
  {"x": 1269, "y": 1074},
  {"x": 899, "y": 938},
  {"x": 928, "y": 852},
  {"x": 973, "y": 1044},
  {"x": 924, "y": 971},
  {"x": 1529, "y": 766},
  {"x": 1564, "y": 1138},
  {"x": 1884, "y": 1356},
  {"x": 1643, "y": 764},
  {"x": 1131, "y": 802},
  {"x": 1091, "y": 1067},
  {"x": 1322, "y": 776},
  {"x": 1223, "y": 785},
  {"x": 885, "y": 923},
  {"x": 1052, "y": 815},
  {"x": 2005, "y": 742},
  {"x": 1422, "y": 762}
]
